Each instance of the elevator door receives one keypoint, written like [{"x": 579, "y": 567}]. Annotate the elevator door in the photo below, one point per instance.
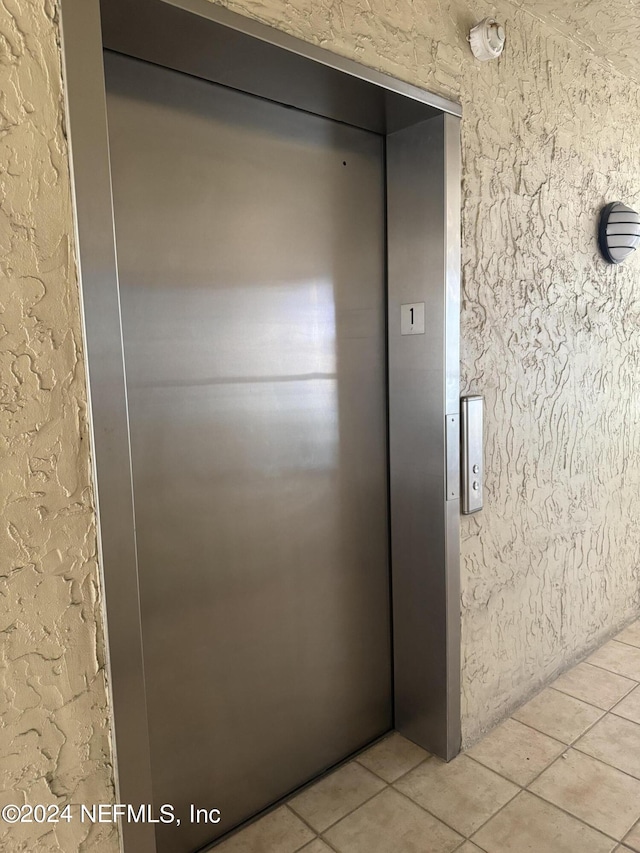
[{"x": 250, "y": 241}]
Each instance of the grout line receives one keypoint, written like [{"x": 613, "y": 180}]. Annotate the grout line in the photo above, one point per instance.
[
  {"x": 611, "y": 671},
  {"x": 540, "y": 732},
  {"x": 577, "y": 738},
  {"x": 624, "y": 643},
  {"x": 523, "y": 789},
  {"x": 467, "y": 837},
  {"x": 579, "y": 699},
  {"x": 329, "y": 844},
  {"x": 628, "y": 845},
  {"x": 587, "y": 662},
  {"x": 584, "y": 701},
  {"x": 520, "y": 789},
  {"x": 548, "y": 803},
  {"x": 617, "y": 702},
  {"x": 621, "y": 717},
  {"x": 602, "y": 761},
  {"x": 498, "y": 772},
  {"x": 579, "y": 819},
  {"x": 435, "y": 816},
  {"x": 307, "y": 824},
  {"x": 386, "y": 785},
  {"x": 306, "y": 844},
  {"x": 432, "y": 814},
  {"x": 402, "y": 775},
  {"x": 419, "y": 764},
  {"x": 588, "y": 755},
  {"x": 461, "y": 845},
  {"x": 285, "y": 800},
  {"x": 566, "y": 747},
  {"x": 585, "y": 659},
  {"x": 469, "y": 841},
  {"x": 586, "y": 731},
  {"x": 613, "y": 707},
  {"x": 573, "y": 745},
  {"x": 342, "y": 817},
  {"x": 495, "y": 814},
  {"x": 302, "y": 820}
]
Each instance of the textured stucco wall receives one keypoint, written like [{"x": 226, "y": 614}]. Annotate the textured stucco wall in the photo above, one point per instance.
[
  {"x": 551, "y": 335},
  {"x": 54, "y": 734},
  {"x": 552, "y": 338},
  {"x": 609, "y": 28}
]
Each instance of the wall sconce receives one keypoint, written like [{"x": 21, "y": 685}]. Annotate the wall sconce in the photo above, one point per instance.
[{"x": 619, "y": 232}]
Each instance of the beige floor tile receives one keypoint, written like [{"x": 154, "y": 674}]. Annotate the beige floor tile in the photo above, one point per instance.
[
  {"x": 592, "y": 791},
  {"x": 619, "y": 658},
  {"x": 558, "y": 715},
  {"x": 462, "y": 793},
  {"x": 594, "y": 685},
  {"x": 336, "y": 795},
  {"x": 392, "y": 757},
  {"x": 468, "y": 847},
  {"x": 317, "y": 846},
  {"x": 631, "y": 634},
  {"x": 614, "y": 741},
  {"x": 633, "y": 838},
  {"x": 529, "y": 825},
  {"x": 390, "y": 823},
  {"x": 629, "y": 708},
  {"x": 517, "y": 751},
  {"x": 278, "y": 832}
]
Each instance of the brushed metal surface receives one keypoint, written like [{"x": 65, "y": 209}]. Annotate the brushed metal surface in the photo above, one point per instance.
[
  {"x": 472, "y": 454},
  {"x": 450, "y": 721},
  {"x": 423, "y": 373},
  {"x": 453, "y": 457},
  {"x": 251, "y": 261},
  {"x": 321, "y": 56},
  {"x": 217, "y": 44},
  {"x": 108, "y": 417}
]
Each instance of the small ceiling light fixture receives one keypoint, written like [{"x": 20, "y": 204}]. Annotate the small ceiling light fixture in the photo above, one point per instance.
[
  {"x": 619, "y": 232},
  {"x": 487, "y": 39}
]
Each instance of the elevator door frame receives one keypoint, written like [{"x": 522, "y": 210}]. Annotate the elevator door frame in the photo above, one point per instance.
[{"x": 423, "y": 171}]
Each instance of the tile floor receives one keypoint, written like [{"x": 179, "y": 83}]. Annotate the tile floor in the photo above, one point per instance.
[{"x": 562, "y": 775}]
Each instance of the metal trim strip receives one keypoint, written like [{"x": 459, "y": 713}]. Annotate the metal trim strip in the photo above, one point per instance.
[{"x": 263, "y": 32}]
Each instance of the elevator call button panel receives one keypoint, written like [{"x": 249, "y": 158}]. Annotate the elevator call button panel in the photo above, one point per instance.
[{"x": 472, "y": 462}]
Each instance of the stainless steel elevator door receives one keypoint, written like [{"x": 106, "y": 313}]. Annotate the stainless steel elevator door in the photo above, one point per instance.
[{"x": 250, "y": 243}]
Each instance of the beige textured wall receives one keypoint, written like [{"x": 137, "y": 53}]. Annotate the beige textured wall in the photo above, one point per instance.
[
  {"x": 609, "y": 28},
  {"x": 551, "y": 335},
  {"x": 54, "y": 745}
]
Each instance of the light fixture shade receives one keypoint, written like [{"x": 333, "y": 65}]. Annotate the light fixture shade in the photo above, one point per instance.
[{"x": 619, "y": 233}]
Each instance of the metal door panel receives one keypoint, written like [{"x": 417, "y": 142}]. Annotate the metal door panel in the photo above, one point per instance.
[{"x": 250, "y": 245}]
